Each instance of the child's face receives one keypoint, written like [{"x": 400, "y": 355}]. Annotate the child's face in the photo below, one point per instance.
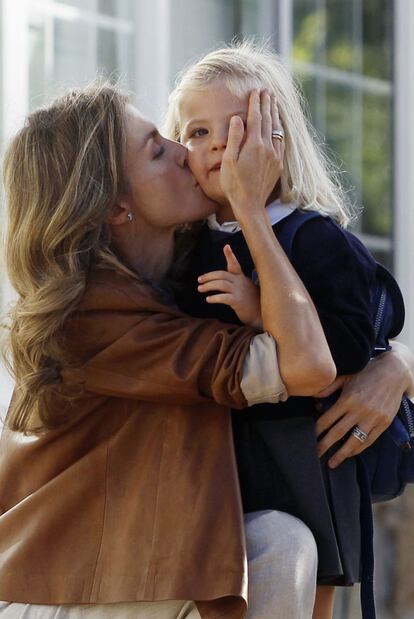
[{"x": 205, "y": 117}]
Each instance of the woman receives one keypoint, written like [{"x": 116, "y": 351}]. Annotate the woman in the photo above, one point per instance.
[{"x": 118, "y": 482}]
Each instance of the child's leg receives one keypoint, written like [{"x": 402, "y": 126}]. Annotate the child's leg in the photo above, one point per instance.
[
  {"x": 282, "y": 559},
  {"x": 324, "y": 602}
]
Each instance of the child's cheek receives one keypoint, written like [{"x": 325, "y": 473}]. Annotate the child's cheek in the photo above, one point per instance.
[{"x": 196, "y": 166}]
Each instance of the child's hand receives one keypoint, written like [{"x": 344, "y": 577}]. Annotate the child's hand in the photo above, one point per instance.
[{"x": 234, "y": 289}]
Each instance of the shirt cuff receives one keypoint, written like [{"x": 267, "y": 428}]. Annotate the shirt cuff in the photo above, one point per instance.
[{"x": 261, "y": 380}]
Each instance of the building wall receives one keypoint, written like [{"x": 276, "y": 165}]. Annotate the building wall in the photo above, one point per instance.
[{"x": 354, "y": 60}]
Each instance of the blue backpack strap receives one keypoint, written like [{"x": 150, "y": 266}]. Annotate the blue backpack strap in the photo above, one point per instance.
[
  {"x": 367, "y": 545},
  {"x": 391, "y": 323},
  {"x": 290, "y": 225}
]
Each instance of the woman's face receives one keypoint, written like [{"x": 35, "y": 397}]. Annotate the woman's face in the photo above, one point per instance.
[{"x": 162, "y": 192}]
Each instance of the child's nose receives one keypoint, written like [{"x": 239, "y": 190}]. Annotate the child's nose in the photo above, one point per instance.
[{"x": 219, "y": 141}]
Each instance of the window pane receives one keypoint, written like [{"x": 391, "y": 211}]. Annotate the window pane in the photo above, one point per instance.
[
  {"x": 308, "y": 31},
  {"x": 65, "y": 53},
  {"x": 342, "y": 56},
  {"x": 82, "y": 4},
  {"x": 342, "y": 135},
  {"x": 343, "y": 36},
  {"x": 73, "y": 50},
  {"x": 37, "y": 75},
  {"x": 201, "y": 24},
  {"x": 376, "y": 165},
  {"x": 377, "y": 35},
  {"x": 249, "y": 12},
  {"x": 117, "y": 8},
  {"x": 115, "y": 54}
]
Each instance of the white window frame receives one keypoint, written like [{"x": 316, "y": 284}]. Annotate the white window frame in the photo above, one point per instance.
[{"x": 404, "y": 158}]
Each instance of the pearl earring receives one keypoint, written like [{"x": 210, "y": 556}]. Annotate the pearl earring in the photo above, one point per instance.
[{"x": 130, "y": 216}]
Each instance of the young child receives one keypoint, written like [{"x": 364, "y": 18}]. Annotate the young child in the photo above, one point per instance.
[{"x": 276, "y": 445}]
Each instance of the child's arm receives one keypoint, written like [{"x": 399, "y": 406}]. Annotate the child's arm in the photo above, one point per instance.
[{"x": 235, "y": 289}]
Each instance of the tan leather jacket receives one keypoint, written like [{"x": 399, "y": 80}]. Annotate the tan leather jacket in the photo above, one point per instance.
[{"x": 137, "y": 497}]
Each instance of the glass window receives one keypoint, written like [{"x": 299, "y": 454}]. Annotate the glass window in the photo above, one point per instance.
[
  {"x": 123, "y": 9},
  {"x": 247, "y": 19},
  {"x": 342, "y": 104},
  {"x": 85, "y": 4},
  {"x": 342, "y": 57},
  {"x": 68, "y": 50},
  {"x": 202, "y": 25},
  {"x": 37, "y": 74},
  {"x": 376, "y": 165},
  {"x": 72, "y": 51},
  {"x": 114, "y": 53},
  {"x": 377, "y": 29},
  {"x": 309, "y": 31}
]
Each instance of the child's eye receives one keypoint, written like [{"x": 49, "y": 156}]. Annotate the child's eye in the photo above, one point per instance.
[{"x": 198, "y": 133}]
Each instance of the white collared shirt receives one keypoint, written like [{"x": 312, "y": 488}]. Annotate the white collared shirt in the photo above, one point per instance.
[{"x": 276, "y": 211}]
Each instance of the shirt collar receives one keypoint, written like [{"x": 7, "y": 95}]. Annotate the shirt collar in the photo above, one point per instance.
[{"x": 276, "y": 211}]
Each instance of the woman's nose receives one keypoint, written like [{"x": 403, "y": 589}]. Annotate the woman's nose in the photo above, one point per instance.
[{"x": 180, "y": 153}]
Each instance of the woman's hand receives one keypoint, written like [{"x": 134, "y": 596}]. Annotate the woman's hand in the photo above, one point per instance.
[
  {"x": 234, "y": 289},
  {"x": 252, "y": 162},
  {"x": 370, "y": 400}
]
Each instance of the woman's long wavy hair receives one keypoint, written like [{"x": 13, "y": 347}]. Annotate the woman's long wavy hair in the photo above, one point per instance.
[
  {"x": 309, "y": 178},
  {"x": 62, "y": 177}
]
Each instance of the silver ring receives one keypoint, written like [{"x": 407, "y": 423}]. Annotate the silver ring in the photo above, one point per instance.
[
  {"x": 278, "y": 134},
  {"x": 359, "y": 434}
]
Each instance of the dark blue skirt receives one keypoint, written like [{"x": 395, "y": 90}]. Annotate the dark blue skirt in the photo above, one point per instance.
[{"x": 279, "y": 468}]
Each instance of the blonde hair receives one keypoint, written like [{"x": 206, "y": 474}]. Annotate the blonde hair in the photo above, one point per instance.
[
  {"x": 309, "y": 178},
  {"x": 62, "y": 176}
]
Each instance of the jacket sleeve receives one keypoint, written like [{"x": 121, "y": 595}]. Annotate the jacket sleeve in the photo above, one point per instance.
[
  {"x": 338, "y": 274},
  {"x": 149, "y": 351}
]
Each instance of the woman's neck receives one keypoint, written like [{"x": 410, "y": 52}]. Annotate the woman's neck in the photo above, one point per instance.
[{"x": 149, "y": 254}]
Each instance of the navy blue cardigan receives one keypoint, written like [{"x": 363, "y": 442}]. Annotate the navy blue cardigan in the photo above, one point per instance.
[
  {"x": 336, "y": 269},
  {"x": 338, "y": 273}
]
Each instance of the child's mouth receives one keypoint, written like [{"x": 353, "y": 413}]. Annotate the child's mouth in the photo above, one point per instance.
[{"x": 215, "y": 168}]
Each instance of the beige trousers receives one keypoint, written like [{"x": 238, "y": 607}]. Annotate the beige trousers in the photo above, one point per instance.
[
  {"x": 282, "y": 562},
  {"x": 170, "y": 609}
]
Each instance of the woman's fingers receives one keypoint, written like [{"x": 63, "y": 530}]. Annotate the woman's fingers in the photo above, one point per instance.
[
  {"x": 331, "y": 416},
  {"x": 267, "y": 123},
  {"x": 369, "y": 400},
  {"x": 254, "y": 117},
  {"x": 353, "y": 446},
  {"x": 336, "y": 433},
  {"x": 234, "y": 139},
  {"x": 233, "y": 265},
  {"x": 338, "y": 383},
  {"x": 277, "y": 143}
]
